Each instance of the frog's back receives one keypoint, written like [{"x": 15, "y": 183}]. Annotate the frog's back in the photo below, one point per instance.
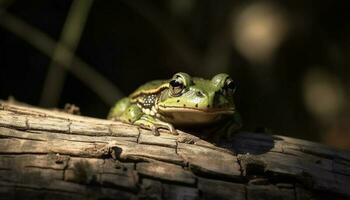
[{"x": 150, "y": 88}]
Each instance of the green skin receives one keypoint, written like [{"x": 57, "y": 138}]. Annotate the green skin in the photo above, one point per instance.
[{"x": 197, "y": 102}]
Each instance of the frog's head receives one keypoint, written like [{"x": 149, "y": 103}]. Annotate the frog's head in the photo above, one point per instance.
[{"x": 195, "y": 100}]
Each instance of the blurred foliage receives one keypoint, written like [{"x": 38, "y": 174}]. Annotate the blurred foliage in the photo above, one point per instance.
[{"x": 290, "y": 58}]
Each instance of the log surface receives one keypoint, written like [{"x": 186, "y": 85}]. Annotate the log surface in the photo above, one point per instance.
[{"x": 53, "y": 155}]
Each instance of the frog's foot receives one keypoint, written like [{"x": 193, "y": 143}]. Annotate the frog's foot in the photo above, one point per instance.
[
  {"x": 154, "y": 124},
  {"x": 232, "y": 128}
]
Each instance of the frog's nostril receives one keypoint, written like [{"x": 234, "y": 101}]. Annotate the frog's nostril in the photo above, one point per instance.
[{"x": 199, "y": 94}]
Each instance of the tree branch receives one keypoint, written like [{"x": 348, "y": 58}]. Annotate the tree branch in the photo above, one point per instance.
[{"x": 56, "y": 155}]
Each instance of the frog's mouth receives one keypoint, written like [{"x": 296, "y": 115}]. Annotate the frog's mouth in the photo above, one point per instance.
[{"x": 194, "y": 116}]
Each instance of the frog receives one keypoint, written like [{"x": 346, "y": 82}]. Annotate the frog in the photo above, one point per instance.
[{"x": 181, "y": 101}]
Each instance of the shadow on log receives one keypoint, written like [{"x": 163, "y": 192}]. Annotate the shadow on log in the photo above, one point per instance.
[{"x": 54, "y": 155}]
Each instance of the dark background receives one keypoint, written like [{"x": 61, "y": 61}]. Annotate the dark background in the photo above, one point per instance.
[{"x": 289, "y": 58}]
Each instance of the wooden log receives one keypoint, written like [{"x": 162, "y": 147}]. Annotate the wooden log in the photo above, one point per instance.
[{"x": 47, "y": 154}]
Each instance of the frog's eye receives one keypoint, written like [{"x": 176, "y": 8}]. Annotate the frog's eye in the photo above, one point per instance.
[
  {"x": 229, "y": 86},
  {"x": 176, "y": 87}
]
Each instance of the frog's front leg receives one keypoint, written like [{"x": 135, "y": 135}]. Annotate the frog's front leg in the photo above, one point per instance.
[
  {"x": 153, "y": 123},
  {"x": 125, "y": 111},
  {"x": 231, "y": 126}
]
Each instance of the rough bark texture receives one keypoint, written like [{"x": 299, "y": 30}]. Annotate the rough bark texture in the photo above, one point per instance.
[{"x": 52, "y": 155}]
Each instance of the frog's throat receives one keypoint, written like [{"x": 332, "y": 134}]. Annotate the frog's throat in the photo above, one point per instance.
[{"x": 211, "y": 111}]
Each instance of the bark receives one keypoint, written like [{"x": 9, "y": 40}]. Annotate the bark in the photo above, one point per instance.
[{"x": 47, "y": 154}]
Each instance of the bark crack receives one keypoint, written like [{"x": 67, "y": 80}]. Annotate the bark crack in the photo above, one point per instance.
[{"x": 139, "y": 135}]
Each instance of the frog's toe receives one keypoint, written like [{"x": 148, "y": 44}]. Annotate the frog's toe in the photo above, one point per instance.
[
  {"x": 173, "y": 130},
  {"x": 155, "y": 131},
  {"x": 169, "y": 127}
]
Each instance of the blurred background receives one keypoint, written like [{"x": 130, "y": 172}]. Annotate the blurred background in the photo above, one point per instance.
[{"x": 290, "y": 59}]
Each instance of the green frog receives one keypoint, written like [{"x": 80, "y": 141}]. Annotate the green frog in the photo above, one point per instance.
[{"x": 182, "y": 101}]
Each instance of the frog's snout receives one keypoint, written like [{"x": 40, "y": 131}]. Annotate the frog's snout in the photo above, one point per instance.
[{"x": 204, "y": 100}]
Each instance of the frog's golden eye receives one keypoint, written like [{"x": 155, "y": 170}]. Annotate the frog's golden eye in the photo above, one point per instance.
[
  {"x": 229, "y": 86},
  {"x": 176, "y": 87}
]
